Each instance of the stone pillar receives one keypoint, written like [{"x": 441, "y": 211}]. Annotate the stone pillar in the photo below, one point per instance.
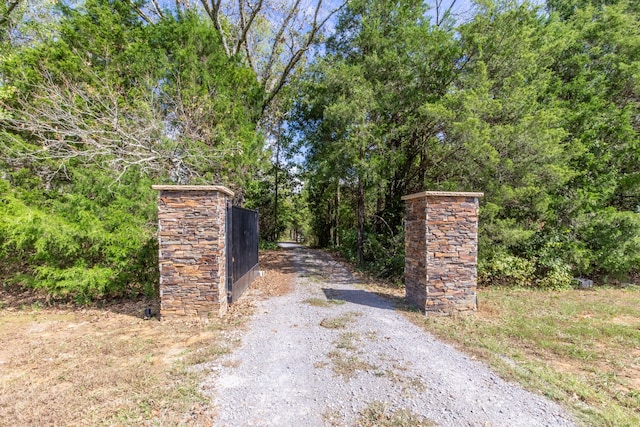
[
  {"x": 192, "y": 250},
  {"x": 441, "y": 250}
]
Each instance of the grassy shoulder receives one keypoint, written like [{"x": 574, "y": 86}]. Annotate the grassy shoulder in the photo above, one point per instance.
[
  {"x": 69, "y": 365},
  {"x": 100, "y": 367},
  {"x": 580, "y": 348}
]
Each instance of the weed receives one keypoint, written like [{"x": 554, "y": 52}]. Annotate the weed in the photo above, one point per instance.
[
  {"x": 320, "y": 365},
  {"x": 320, "y": 302},
  {"x": 410, "y": 385},
  {"x": 347, "y": 365},
  {"x": 347, "y": 341},
  {"x": 378, "y": 414},
  {"x": 333, "y": 418},
  {"x": 372, "y": 335},
  {"x": 340, "y": 321}
]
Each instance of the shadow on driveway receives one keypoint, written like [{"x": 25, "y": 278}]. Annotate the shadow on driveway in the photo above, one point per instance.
[{"x": 359, "y": 296}]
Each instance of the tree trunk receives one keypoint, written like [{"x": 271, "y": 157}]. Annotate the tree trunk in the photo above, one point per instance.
[
  {"x": 360, "y": 223},
  {"x": 275, "y": 204},
  {"x": 337, "y": 242}
]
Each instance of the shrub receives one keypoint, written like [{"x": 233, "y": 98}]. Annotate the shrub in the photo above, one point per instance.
[
  {"x": 504, "y": 269},
  {"x": 383, "y": 253},
  {"x": 92, "y": 241},
  {"x": 613, "y": 239},
  {"x": 557, "y": 276}
]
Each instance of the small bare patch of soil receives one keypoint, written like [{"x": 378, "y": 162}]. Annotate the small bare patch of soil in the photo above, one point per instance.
[{"x": 279, "y": 274}]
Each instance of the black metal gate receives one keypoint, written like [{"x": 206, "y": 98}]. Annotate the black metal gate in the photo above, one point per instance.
[{"x": 242, "y": 250}]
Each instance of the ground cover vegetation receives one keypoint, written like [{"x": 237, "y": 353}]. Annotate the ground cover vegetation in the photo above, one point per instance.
[
  {"x": 103, "y": 364},
  {"x": 536, "y": 105},
  {"x": 580, "y": 348}
]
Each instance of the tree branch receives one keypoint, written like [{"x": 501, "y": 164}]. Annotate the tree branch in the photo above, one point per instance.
[
  {"x": 140, "y": 12},
  {"x": 158, "y": 9},
  {"x": 245, "y": 27},
  {"x": 68, "y": 121},
  {"x": 9, "y": 9},
  {"x": 297, "y": 56},
  {"x": 213, "y": 10},
  {"x": 276, "y": 41}
]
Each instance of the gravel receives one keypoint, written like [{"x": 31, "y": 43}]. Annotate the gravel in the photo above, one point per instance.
[{"x": 367, "y": 365}]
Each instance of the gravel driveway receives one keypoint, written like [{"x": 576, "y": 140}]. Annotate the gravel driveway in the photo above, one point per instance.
[{"x": 331, "y": 354}]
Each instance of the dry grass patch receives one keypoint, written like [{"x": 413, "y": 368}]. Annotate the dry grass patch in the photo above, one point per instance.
[
  {"x": 379, "y": 414},
  {"x": 347, "y": 341},
  {"x": 344, "y": 360},
  {"x": 410, "y": 385},
  {"x": 333, "y": 418},
  {"x": 321, "y": 302},
  {"x": 346, "y": 364},
  {"x": 579, "y": 347},
  {"x": 340, "y": 321},
  {"x": 95, "y": 367},
  {"x": 66, "y": 365}
]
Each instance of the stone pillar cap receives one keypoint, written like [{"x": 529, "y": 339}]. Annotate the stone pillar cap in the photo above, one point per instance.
[
  {"x": 441, "y": 194},
  {"x": 218, "y": 188}
]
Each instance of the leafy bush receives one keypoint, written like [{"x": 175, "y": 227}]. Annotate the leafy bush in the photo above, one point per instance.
[
  {"x": 384, "y": 254},
  {"x": 504, "y": 269},
  {"x": 97, "y": 241},
  {"x": 266, "y": 245},
  {"x": 558, "y": 276},
  {"x": 612, "y": 238}
]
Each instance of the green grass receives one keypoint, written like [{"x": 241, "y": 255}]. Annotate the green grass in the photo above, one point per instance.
[{"x": 580, "y": 348}]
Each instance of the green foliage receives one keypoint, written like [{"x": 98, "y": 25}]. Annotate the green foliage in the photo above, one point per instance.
[
  {"x": 91, "y": 117},
  {"x": 556, "y": 276},
  {"x": 504, "y": 269},
  {"x": 268, "y": 246},
  {"x": 114, "y": 92},
  {"x": 538, "y": 108},
  {"x": 92, "y": 242},
  {"x": 212, "y": 101},
  {"x": 383, "y": 253},
  {"x": 283, "y": 212},
  {"x": 612, "y": 239},
  {"x": 539, "y": 111}
]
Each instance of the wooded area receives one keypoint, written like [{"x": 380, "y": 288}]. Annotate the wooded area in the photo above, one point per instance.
[{"x": 321, "y": 115}]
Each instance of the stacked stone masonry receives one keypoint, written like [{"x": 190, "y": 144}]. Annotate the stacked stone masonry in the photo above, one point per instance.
[
  {"x": 441, "y": 245},
  {"x": 192, "y": 250}
]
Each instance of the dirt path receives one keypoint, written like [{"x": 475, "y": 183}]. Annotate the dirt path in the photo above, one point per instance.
[{"x": 329, "y": 353}]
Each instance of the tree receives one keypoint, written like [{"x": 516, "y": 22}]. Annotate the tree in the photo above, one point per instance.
[
  {"x": 400, "y": 105},
  {"x": 89, "y": 120},
  {"x": 597, "y": 84},
  {"x": 114, "y": 93},
  {"x": 358, "y": 109},
  {"x": 273, "y": 39}
]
